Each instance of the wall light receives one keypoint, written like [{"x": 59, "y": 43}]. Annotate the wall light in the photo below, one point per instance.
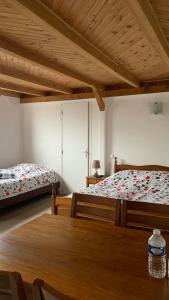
[{"x": 157, "y": 108}]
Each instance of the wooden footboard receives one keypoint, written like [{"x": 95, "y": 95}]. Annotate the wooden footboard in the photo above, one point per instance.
[{"x": 52, "y": 188}]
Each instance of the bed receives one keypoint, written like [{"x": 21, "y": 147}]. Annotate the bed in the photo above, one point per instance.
[
  {"x": 147, "y": 185},
  {"x": 27, "y": 181}
]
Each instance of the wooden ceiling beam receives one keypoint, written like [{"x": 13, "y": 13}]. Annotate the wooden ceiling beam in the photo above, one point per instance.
[
  {"x": 149, "y": 23},
  {"x": 99, "y": 99},
  {"x": 20, "y": 89},
  {"x": 52, "y": 23},
  {"x": 42, "y": 62},
  {"x": 9, "y": 93},
  {"x": 25, "y": 78},
  {"x": 147, "y": 89}
]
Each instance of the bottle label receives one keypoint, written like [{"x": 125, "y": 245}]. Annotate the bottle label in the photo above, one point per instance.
[{"x": 157, "y": 251}]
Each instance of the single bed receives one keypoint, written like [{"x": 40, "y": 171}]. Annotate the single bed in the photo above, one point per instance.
[
  {"x": 148, "y": 185},
  {"x": 27, "y": 181}
]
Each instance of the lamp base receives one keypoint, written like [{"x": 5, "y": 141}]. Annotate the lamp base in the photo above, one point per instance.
[{"x": 96, "y": 174}]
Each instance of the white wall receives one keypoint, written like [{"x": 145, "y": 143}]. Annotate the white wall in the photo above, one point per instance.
[
  {"x": 97, "y": 122},
  {"x": 10, "y": 131},
  {"x": 134, "y": 134},
  {"x": 42, "y": 134}
]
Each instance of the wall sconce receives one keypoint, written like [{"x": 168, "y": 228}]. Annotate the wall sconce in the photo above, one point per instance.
[{"x": 157, "y": 108}]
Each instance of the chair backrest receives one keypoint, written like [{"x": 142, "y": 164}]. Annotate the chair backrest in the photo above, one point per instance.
[
  {"x": 95, "y": 207},
  {"x": 144, "y": 215},
  {"x": 11, "y": 286},
  {"x": 42, "y": 291}
]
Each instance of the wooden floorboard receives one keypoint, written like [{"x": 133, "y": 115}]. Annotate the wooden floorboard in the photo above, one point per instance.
[{"x": 13, "y": 217}]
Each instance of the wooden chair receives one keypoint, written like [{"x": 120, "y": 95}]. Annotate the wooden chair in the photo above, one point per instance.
[
  {"x": 96, "y": 207},
  {"x": 42, "y": 291},
  {"x": 61, "y": 205},
  {"x": 11, "y": 286},
  {"x": 144, "y": 215}
]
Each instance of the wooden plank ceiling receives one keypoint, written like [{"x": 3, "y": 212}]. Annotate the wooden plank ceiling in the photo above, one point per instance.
[{"x": 52, "y": 50}]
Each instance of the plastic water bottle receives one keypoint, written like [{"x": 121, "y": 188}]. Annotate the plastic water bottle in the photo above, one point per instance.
[{"x": 157, "y": 255}]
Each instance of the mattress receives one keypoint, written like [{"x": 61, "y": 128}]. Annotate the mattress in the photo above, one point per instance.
[
  {"x": 28, "y": 177},
  {"x": 145, "y": 186}
]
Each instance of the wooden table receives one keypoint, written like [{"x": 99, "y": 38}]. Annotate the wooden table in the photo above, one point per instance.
[
  {"x": 86, "y": 260},
  {"x": 93, "y": 180}
]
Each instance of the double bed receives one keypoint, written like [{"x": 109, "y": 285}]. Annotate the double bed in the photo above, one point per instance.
[
  {"x": 146, "y": 187},
  {"x": 26, "y": 181},
  {"x": 141, "y": 184}
]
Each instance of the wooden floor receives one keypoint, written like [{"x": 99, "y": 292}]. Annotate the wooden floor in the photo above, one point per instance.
[{"x": 16, "y": 216}]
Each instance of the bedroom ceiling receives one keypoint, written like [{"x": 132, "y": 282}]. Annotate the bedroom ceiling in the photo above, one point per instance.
[{"x": 55, "y": 50}]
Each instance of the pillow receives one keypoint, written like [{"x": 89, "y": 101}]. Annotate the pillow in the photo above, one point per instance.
[{"x": 6, "y": 174}]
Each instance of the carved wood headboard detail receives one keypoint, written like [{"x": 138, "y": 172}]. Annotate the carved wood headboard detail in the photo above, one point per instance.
[{"x": 122, "y": 167}]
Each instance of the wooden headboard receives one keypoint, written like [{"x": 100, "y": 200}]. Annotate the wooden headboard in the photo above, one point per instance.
[{"x": 122, "y": 167}]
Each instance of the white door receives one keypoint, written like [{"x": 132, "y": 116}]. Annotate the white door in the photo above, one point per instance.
[{"x": 74, "y": 145}]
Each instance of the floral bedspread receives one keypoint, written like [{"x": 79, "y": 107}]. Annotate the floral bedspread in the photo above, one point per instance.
[
  {"x": 27, "y": 177},
  {"x": 145, "y": 186}
]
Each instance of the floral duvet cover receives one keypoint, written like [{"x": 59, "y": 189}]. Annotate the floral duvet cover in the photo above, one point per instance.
[
  {"x": 27, "y": 177},
  {"x": 145, "y": 186}
]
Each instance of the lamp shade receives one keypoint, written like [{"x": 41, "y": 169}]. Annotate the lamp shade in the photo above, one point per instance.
[{"x": 96, "y": 164}]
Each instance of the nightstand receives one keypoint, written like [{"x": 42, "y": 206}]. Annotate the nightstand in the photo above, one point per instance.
[{"x": 94, "y": 180}]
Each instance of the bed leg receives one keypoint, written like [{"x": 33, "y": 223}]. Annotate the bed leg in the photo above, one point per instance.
[
  {"x": 54, "y": 206},
  {"x": 117, "y": 220}
]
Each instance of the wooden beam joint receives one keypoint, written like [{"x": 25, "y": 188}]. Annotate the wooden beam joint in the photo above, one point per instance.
[
  {"x": 144, "y": 89},
  {"x": 99, "y": 99}
]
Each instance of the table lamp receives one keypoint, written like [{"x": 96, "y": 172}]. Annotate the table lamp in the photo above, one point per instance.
[{"x": 96, "y": 165}]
